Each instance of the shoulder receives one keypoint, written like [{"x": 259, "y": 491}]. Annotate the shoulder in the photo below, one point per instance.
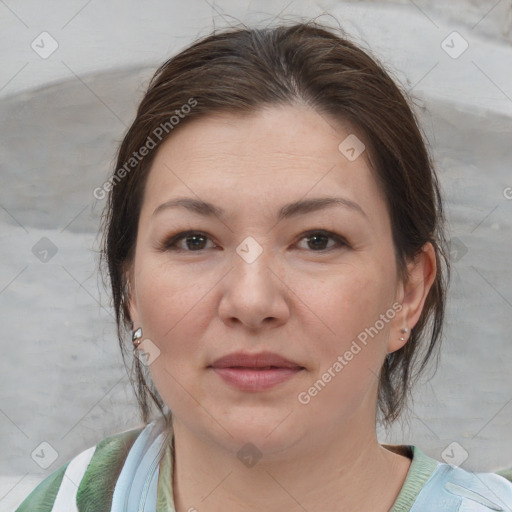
[
  {"x": 451, "y": 488},
  {"x": 89, "y": 476}
]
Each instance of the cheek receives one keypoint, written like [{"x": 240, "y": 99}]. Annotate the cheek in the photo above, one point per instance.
[
  {"x": 172, "y": 305},
  {"x": 172, "y": 309},
  {"x": 349, "y": 352},
  {"x": 353, "y": 335},
  {"x": 346, "y": 301}
]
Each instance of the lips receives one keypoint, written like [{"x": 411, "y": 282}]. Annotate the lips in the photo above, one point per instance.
[
  {"x": 261, "y": 360},
  {"x": 255, "y": 372}
]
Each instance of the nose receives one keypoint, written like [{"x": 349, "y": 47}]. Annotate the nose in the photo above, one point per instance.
[{"x": 254, "y": 293}]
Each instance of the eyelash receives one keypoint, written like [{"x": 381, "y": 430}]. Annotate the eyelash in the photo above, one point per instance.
[{"x": 170, "y": 243}]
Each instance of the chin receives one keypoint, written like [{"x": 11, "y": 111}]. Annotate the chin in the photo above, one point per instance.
[{"x": 270, "y": 429}]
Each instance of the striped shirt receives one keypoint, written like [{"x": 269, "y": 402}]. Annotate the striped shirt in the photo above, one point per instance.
[{"x": 132, "y": 472}]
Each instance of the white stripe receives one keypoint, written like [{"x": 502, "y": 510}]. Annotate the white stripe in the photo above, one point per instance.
[
  {"x": 472, "y": 495},
  {"x": 65, "y": 500},
  {"x": 130, "y": 483}
]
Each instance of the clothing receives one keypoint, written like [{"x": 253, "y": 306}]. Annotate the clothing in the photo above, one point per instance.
[{"x": 132, "y": 471}]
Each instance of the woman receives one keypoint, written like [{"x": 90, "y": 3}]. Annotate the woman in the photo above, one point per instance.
[{"x": 271, "y": 356}]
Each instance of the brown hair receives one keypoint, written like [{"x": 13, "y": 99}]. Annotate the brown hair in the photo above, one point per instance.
[{"x": 241, "y": 70}]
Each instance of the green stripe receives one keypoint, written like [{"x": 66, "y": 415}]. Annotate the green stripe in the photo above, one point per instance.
[
  {"x": 96, "y": 489},
  {"x": 165, "y": 497},
  {"x": 507, "y": 473},
  {"x": 421, "y": 469},
  {"x": 41, "y": 499}
]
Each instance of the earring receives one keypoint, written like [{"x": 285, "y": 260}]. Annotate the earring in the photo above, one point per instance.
[
  {"x": 137, "y": 337},
  {"x": 403, "y": 330}
]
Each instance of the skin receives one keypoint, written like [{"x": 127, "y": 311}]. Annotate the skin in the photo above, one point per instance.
[{"x": 303, "y": 303}]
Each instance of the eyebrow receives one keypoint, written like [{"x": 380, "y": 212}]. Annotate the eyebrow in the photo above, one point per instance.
[{"x": 290, "y": 210}]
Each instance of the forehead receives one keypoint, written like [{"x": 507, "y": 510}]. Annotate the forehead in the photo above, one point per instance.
[{"x": 271, "y": 157}]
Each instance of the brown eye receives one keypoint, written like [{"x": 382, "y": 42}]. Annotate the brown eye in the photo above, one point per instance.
[
  {"x": 194, "y": 241},
  {"x": 317, "y": 240}
]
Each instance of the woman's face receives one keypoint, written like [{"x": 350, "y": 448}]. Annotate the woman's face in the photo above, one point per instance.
[{"x": 257, "y": 278}]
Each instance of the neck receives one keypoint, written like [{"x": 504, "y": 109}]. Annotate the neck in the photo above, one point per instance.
[{"x": 337, "y": 469}]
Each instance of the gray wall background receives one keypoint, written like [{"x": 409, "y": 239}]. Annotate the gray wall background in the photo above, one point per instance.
[{"x": 63, "y": 113}]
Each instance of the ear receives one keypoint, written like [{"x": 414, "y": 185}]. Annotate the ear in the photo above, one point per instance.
[
  {"x": 413, "y": 293},
  {"x": 130, "y": 297}
]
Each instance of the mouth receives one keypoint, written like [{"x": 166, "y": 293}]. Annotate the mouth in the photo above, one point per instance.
[
  {"x": 255, "y": 372},
  {"x": 256, "y": 379},
  {"x": 255, "y": 367},
  {"x": 260, "y": 360}
]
